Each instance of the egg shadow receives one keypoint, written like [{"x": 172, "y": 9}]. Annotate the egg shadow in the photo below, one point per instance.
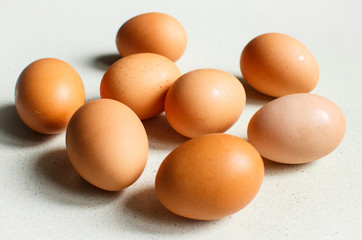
[
  {"x": 14, "y": 132},
  {"x": 92, "y": 98},
  {"x": 103, "y": 62},
  {"x": 253, "y": 97},
  {"x": 161, "y": 135},
  {"x": 274, "y": 168},
  {"x": 60, "y": 182},
  {"x": 147, "y": 214}
]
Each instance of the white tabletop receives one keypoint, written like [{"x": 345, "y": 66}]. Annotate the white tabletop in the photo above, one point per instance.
[{"x": 41, "y": 195}]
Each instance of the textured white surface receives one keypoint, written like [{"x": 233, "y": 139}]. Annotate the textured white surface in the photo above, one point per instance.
[{"x": 42, "y": 197}]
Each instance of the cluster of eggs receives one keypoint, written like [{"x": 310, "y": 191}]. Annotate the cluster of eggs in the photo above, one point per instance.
[{"x": 213, "y": 174}]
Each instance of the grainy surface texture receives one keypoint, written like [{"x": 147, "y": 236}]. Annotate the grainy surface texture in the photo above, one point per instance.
[{"x": 41, "y": 195}]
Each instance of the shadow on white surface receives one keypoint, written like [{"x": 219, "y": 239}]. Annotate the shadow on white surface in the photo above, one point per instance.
[
  {"x": 161, "y": 135},
  {"x": 274, "y": 168},
  {"x": 58, "y": 181},
  {"x": 103, "y": 62},
  {"x": 146, "y": 214},
  {"x": 254, "y": 97},
  {"x": 14, "y": 132}
]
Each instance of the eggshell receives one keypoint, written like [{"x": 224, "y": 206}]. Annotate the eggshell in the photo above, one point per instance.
[
  {"x": 297, "y": 128},
  {"x": 277, "y": 64},
  {"x": 209, "y": 177},
  {"x": 204, "y": 101},
  {"x": 152, "y": 32},
  {"x": 47, "y": 93},
  {"x": 107, "y": 144},
  {"x": 141, "y": 82}
]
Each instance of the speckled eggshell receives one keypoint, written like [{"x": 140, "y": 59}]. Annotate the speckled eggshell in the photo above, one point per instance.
[
  {"x": 107, "y": 144},
  {"x": 204, "y": 101},
  {"x": 141, "y": 82},
  {"x": 277, "y": 64},
  {"x": 152, "y": 32},
  {"x": 210, "y": 177},
  {"x": 297, "y": 128},
  {"x": 47, "y": 93}
]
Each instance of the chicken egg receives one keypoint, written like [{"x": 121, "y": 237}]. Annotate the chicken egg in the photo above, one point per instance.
[
  {"x": 277, "y": 64},
  {"x": 297, "y": 128},
  {"x": 209, "y": 177},
  {"x": 141, "y": 82},
  {"x": 107, "y": 144},
  {"x": 152, "y": 32},
  {"x": 204, "y": 101},
  {"x": 47, "y": 93}
]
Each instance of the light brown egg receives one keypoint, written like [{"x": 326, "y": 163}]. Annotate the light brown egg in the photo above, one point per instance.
[
  {"x": 277, "y": 64},
  {"x": 47, "y": 93},
  {"x": 204, "y": 101},
  {"x": 210, "y": 177},
  {"x": 107, "y": 144},
  {"x": 141, "y": 82},
  {"x": 297, "y": 128},
  {"x": 152, "y": 32}
]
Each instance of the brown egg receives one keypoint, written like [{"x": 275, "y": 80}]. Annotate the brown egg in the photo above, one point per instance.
[
  {"x": 47, "y": 93},
  {"x": 210, "y": 177},
  {"x": 141, "y": 82},
  {"x": 152, "y": 32},
  {"x": 277, "y": 64},
  {"x": 297, "y": 128},
  {"x": 107, "y": 144},
  {"x": 204, "y": 101}
]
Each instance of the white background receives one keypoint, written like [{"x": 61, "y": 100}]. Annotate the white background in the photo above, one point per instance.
[{"x": 42, "y": 197}]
